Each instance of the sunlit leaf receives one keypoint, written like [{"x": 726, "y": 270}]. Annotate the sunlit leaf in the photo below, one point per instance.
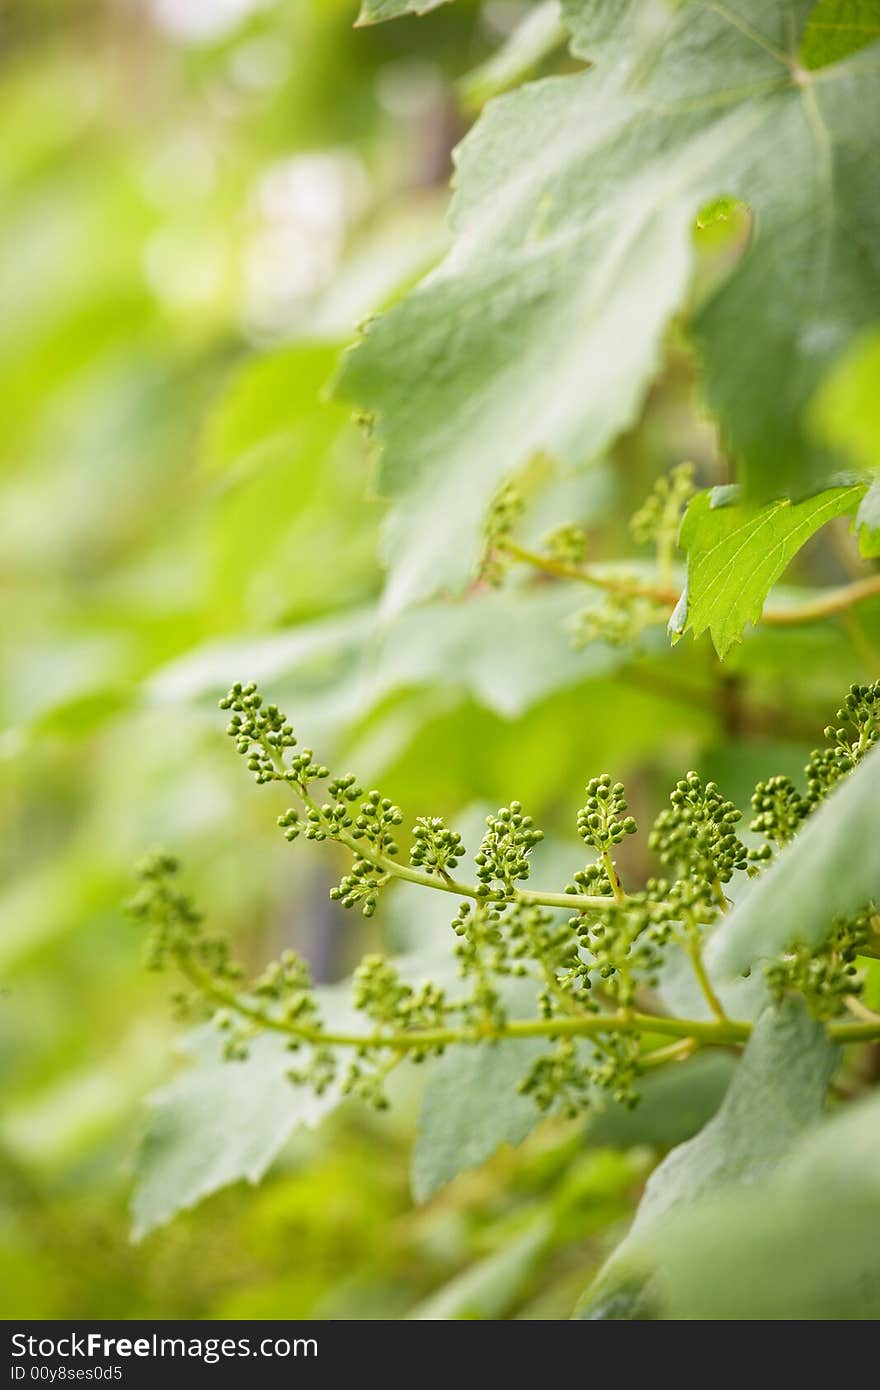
[{"x": 737, "y": 552}]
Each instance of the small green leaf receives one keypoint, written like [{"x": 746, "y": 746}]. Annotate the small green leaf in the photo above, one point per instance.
[
  {"x": 777, "y": 1093},
  {"x": 736, "y": 553},
  {"x": 831, "y": 868},
  {"x": 217, "y": 1123}
]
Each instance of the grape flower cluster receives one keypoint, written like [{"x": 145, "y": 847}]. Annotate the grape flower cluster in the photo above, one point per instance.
[{"x": 595, "y": 952}]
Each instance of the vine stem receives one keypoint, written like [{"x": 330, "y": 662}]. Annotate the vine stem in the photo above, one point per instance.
[
  {"x": 611, "y": 583},
  {"x": 723, "y": 1032},
  {"x": 825, "y": 604},
  {"x": 695, "y": 956}
]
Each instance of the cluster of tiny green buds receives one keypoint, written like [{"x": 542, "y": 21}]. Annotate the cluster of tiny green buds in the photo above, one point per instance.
[
  {"x": 567, "y": 544},
  {"x": 603, "y": 821},
  {"x": 303, "y": 770},
  {"x": 559, "y": 1080},
  {"x": 593, "y": 881},
  {"x": 291, "y": 823},
  {"x": 858, "y": 722},
  {"x": 389, "y": 1001},
  {"x": 360, "y": 888},
  {"x": 658, "y": 518},
  {"x": 535, "y": 935},
  {"x": 435, "y": 847},
  {"x": 856, "y": 730},
  {"x": 505, "y": 511},
  {"x": 483, "y": 954},
  {"x": 624, "y": 943},
  {"x": 503, "y": 857},
  {"x": 619, "y": 619},
  {"x": 175, "y": 930},
  {"x": 287, "y": 982},
  {"x": 695, "y": 837},
  {"x": 175, "y": 924},
  {"x": 779, "y": 809},
  {"x": 327, "y": 822},
  {"x": 345, "y": 788},
  {"x": 826, "y": 977},
  {"x": 261, "y": 733},
  {"x": 616, "y": 1067},
  {"x": 373, "y": 823}
]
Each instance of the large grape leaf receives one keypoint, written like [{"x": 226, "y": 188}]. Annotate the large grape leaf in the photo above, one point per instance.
[
  {"x": 217, "y": 1123},
  {"x": 831, "y": 868},
  {"x": 777, "y": 1093},
  {"x": 575, "y": 199},
  {"x": 802, "y": 1245},
  {"x": 221, "y": 1122},
  {"x": 471, "y": 1104},
  {"x": 736, "y": 553}
]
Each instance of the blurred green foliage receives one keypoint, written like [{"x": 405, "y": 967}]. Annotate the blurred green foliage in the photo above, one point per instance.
[{"x": 202, "y": 200}]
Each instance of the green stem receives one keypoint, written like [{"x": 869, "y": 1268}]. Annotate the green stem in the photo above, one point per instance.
[
  {"x": 721, "y": 1032},
  {"x": 695, "y": 956},
  {"x": 853, "y": 1032},
  {"x": 611, "y": 583},
  {"x": 672, "y": 1052},
  {"x": 613, "y": 877},
  {"x": 526, "y": 897},
  {"x": 824, "y": 605},
  {"x": 580, "y": 1025}
]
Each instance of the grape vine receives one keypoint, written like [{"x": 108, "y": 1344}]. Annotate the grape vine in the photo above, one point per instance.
[{"x": 595, "y": 949}]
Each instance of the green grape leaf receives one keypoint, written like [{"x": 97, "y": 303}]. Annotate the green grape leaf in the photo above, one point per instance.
[
  {"x": 831, "y": 868},
  {"x": 470, "y": 1108},
  {"x": 777, "y": 1092},
  {"x": 674, "y": 1104},
  {"x": 736, "y": 553},
  {"x": 837, "y": 28},
  {"x": 825, "y": 1199},
  {"x": 572, "y": 218},
  {"x": 377, "y": 11},
  {"x": 217, "y": 1123}
]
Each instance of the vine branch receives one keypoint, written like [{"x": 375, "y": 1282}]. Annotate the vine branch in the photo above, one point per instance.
[
  {"x": 719, "y": 1032},
  {"x": 825, "y": 604}
]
